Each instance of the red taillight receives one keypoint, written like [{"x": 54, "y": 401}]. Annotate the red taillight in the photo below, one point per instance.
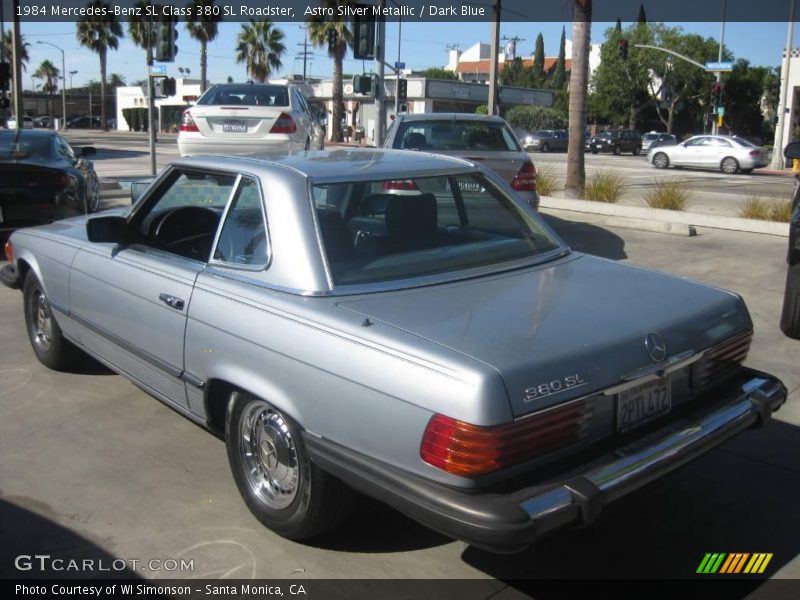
[
  {"x": 470, "y": 450},
  {"x": 399, "y": 184},
  {"x": 284, "y": 124},
  {"x": 525, "y": 181},
  {"x": 187, "y": 122},
  {"x": 10, "y": 252},
  {"x": 755, "y": 152}
]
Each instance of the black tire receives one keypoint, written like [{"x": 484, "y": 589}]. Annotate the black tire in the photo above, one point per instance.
[
  {"x": 280, "y": 485},
  {"x": 594, "y": 150},
  {"x": 637, "y": 150},
  {"x": 729, "y": 165},
  {"x": 545, "y": 148},
  {"x": 790, "y": 316},
  {"x": 660, "y": 160},
  {"x": 49, "y": 344},
  {"x": 617, "y": 150},
  {"x": 93, "y": 197}
]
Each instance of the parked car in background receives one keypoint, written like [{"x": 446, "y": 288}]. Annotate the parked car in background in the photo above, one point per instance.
[
  {"x": 44, "y": 122},
  {"x": 790, "y": 315},
  {"x": 544, "y": 140},
  {"x": 27, "y": 122},
  {"x": 249, "y": 117},
  {"x": 85, "y": 122},
  {"x": 42, "y": 179},
  {"x": 654, "y": 139},
  {"x": 728, "y": 154},
  {"x": 483, "y": 138},
  {"x": 617, "y": 142},
  {"x": 443, "y": 351}
]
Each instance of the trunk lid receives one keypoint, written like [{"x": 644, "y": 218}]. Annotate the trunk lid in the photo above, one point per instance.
[
  {"x": 233, "y": 122},
  {"x": 580, "y": 321}
]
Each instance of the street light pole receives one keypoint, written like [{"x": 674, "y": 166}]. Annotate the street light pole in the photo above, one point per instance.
[
  {"x": 63, "y": 85},
  {"x": 714, "y": 126},
  {"x": 777, "y": 148},
  {"x": 495, "y": 43}
]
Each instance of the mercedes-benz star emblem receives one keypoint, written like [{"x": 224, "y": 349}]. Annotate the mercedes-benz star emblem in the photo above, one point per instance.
[{"x": 656, "y": 347}]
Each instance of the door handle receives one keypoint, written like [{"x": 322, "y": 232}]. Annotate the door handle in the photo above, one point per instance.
[{"x": 172, "y": 301}]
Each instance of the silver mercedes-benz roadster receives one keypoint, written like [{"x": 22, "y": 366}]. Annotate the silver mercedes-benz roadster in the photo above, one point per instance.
[{"x": 397, "y": 324}]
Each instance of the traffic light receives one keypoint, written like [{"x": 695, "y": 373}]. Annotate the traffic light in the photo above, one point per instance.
[
  {"x": 363, "y": 36},
  {"x": 166, "y": 35},
  {"x": 168, "y": 86},
  {"x": 333, "y": 37},
  {"x": 5, "y": 75},
  {"x": 716, "y": 93},
  {"x": 402, "y": 89},
  {"x": 623, "y": 49},
  {"x": 362, "y": 84}
]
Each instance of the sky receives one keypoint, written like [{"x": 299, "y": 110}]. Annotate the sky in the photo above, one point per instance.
[{"x": 422, "y": 45}]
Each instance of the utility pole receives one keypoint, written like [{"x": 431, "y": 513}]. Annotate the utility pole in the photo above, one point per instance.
[
  {"x": 305, "y": 53},
  {"x": 380, "y": 100},
  {"x": 397, "y": 70},
  {"x": 17, "y": 68},
  {"x": 512, "y": 45},
  {"x": 151, "y": 100},
  {"x": 493, "y": 95},
  {"x": 777, "y": 148},
  {"x": 715, "y": 127}
]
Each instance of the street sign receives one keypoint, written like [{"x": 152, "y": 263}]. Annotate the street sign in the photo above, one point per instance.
[
  {"x": 721, "y": 111},
  {"x": 399, "y": 65},
  {"x": 719, "y": 66},
  {"x": 158, "y": 70}
]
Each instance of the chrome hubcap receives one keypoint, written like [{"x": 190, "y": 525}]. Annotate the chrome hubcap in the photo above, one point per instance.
[
  {"x": 42, "y": 321},
  {"x": 269, "y": 455},
  {"x": 729, "y": 166}
]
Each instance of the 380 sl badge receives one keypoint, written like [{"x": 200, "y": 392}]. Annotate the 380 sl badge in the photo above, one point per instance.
[{"x": 551, "y": 388}]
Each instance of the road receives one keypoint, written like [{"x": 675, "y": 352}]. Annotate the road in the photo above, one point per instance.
[{"x": 95, "y": 468}]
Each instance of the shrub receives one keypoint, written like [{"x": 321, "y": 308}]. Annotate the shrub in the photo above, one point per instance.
[
  {"x": 604, "y": 187},
  {"x": 765, "y": 210},
  {"x": 482, "y": 110},
  {"x": 545, "y": 182},
  {"x": 668, "y": 194},
  {"x": 535, "y": 117}
]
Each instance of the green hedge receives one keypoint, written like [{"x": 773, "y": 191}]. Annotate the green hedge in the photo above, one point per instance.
[
  {"x": 136, "y": 118},
  {"x": 535, "y": 117}
]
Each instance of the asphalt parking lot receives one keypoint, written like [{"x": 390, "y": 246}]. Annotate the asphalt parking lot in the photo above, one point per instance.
[{"x": 93, "y": 467}]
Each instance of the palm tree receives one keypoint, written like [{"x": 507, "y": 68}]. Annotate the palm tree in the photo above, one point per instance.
[
  {"x": 139, "y": 26},
  {"x": 260, "y": 47},
  {"x": 48, "y": 72},
  {"x": 116, "y": 80},
  {"x": 203, "y": 27},
  {"x": 318, "y": 33},
  {"x": 578, "y": 85},
  {"x": 100, "y": 34}
]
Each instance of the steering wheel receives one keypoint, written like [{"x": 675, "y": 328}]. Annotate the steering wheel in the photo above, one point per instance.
[{"x": 184, "y": 224}]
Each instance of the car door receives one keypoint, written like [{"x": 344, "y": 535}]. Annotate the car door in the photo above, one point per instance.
[
  {"x": 82, "y": 166},
  {"x": 688, "y": 153},
  {"x": 313, "y": 127},
  {"x": 714, "y": 151},
  {"x": 131, "y": 301}
]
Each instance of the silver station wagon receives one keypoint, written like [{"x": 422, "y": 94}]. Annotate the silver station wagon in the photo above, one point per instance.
[{"x": 399, "y": 325}]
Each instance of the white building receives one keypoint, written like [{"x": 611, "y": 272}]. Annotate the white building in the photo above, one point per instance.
[
  {"x": 186, "y": 93},
  {"x": 791, "y": 121},
  {"x": 472, "y": 65}
]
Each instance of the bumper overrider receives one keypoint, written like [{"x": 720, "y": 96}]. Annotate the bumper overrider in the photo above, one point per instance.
[
  {"x": 510, "y": 522},
  {"x": 9, "y": 276}
]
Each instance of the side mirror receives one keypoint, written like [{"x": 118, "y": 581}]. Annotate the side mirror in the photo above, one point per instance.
[
  {"x": 110, "y": 229},
  {"x": 792, "y": 150},
  {"x": 87, "y": 151}
]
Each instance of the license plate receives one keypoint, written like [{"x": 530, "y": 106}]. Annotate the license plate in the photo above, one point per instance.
[
  {"x": 234, "y": 127},
  {"x": 643, "y": 403},
  {"x": 466, "y": 185}
]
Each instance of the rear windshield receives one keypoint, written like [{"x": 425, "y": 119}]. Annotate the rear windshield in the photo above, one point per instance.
[
  {"x": 455, "y": 135},
  {"x": 15, "y": 147},
  {"x": 391, "y": 230},
  {"x": 246, "y": 95}
]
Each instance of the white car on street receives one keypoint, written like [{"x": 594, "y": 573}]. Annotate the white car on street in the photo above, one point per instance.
[
  {"x": 243, "y": 118},
  {"x": 727, "y": 153}
]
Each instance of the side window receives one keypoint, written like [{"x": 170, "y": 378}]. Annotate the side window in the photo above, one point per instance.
[
  {"x": 243, "y": 239},
  {"x": 63, "y": 149},
  {"x": 183, "y": 215}
]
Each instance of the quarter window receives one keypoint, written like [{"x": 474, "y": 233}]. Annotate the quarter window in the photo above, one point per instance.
[{"x": 243, "y": 239}]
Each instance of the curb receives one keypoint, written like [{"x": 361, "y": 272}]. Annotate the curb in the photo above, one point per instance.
[{"x": 669, "y": 221}]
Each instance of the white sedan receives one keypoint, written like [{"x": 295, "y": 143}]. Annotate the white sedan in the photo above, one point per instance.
[
  {"x": 729, "y": 154},
  {"x": 247, "y": 118}
]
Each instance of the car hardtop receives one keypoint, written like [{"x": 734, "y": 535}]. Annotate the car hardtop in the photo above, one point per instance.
[{"x": 356, "y": 164}]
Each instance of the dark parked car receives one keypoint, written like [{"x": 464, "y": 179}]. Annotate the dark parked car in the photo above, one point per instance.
[
  {"x": 43, "y": 179},
  {"x": 624, "y": 140},
  {"x": 654, "y": 140},
  {"x": 84, "y": 122},
  {"x": 790, "y": 317},
  {"x": 544, "y": 140}
]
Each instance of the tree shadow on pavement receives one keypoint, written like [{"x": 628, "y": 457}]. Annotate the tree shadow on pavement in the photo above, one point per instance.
[
  {"x": 591, "y": 239},
  {"x": 741, "y": 497}
]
